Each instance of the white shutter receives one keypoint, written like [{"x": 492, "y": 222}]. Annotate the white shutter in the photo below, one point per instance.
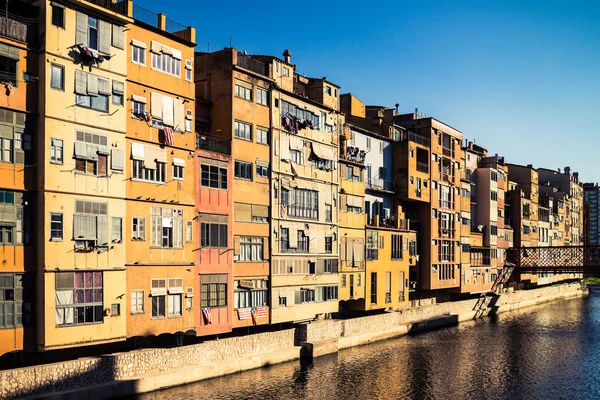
[
  {"x": 81, "y": 29},
  {"x": 117, "y": 160},
  {"x": 102, "y": 229},
  {"x": 168, "y": 111},
  {"x": 92, "y": 84},
  {"x": 179, "y": 115},
  {"x": 80, "y": 82},
  {"x": 118, "y": 39},
  {"x": 156, "y": 105},
  {"x": 103, "y": 37},
  {"x": 156, "y": 231},
  {"x": 104, "y": 86}
]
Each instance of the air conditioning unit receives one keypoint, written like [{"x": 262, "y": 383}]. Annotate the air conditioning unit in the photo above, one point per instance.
[
  {"x": 189, "y": 292},
  {"x": 188, "y": 64},
  {"x": 188, "y": 114}
]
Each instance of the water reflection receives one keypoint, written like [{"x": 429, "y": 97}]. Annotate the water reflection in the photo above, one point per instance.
[{"x": 550, "y": 352}]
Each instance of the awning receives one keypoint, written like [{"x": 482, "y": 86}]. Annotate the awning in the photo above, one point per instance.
[
  {"x": 322, "y": 151},
  {"x": 155, "y": 47},
  {"x": 137, "y": 151},
  {"x": 167, "y": 50},
  {"x": 176, "y": 53},
  {"x": 176, "y": 290},
  {"x": 139, "y": 99},
  {"x": 158, "y": 292},
  {"x": 137, "y": 43},
  {"x": 180, "y": 162},
  {"x": 354, "y": 201}
]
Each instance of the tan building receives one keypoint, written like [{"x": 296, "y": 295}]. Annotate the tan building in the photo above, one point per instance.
[
  {"x": 161, "y": 224},
  {"x": 234, "y": 91},
  {"x": 81, "y": 179}
]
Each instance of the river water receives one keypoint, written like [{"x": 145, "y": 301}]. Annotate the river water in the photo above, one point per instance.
[{"x": 549, "y": 352}]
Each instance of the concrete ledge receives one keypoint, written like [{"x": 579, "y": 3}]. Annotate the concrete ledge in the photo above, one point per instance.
[
  {"x": 174, "y": 378},
  {"x": 320, "y": 348}
]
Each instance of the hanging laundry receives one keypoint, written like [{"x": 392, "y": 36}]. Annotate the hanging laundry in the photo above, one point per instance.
[
  {"x": 9, "y": 87},
  {"x": 296, "y": 123}
]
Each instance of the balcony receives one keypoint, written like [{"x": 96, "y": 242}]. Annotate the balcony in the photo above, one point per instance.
[
  {"x": 446, "y": 232},
  {"x": 380, "y": 185},
  {"x": 116, "y": 7},
  {"x": 391, "y": 222},
  {"x": 447, "y": 152},
  {"x": 354, "y": 154},
  {"x": 251, "y": 64},
  {"x": 413, "y": 137},
  {"x": 422, "y": 167},
  {"x": 149, "y": 18},
  {"x": 212, "y": 144}
]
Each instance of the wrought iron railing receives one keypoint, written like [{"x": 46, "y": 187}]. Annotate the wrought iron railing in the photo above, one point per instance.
[
  {"x": 212, "y": 144},
  {"x": 251, "y": 64},
  {"x": 379, "y": 184},
  {"x": 422, "y": 140},
  {"x": 117, "y": 7},
  {"x": 554, "y": 258},
  {"x": 422, "y": 167}
]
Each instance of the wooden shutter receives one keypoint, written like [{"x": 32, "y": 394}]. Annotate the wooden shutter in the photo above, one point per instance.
[
  {"x": 236, "y": 245},
  {"x": 19, "y": 156},
  {"x": 156, "y": 231},
  {"x": 168, "y": 110},
  {"x": 265, "y": 242},
  {"x": 156, "y": 105},
  {"x": 80, "y": 82},
  {"x": 92, "y": 84},
  {"x": 359, "y": 251},
  {"x": 81, "y": 29},
  {"x": 117, "y": 160},
  {"x": 242, "y": 212},
  {"x": 104, "y": 86},
  {"x": 102, "y": 229},
  {"x": 118, "y": 37},
  {"x": 177, "y": 232},
  {"x": 178, "y": 115},
  {"x": 103, "y": 37}
]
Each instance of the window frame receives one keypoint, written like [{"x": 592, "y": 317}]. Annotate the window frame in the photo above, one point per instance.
[
  {"x": 177, "y": 172},
  {"x": 140, "y": 51},
  {"x": 143, "y": 305},
  {"x": 245, "y": 168},
  {"x": 62, "y": 151},
  {"x": 61, "y": 68},
  {"x": 62, "y": 227},
  {"x": 63, "y": 14},
  {"x": 262, "y": 135},
  {"x": 137, "y": 227}
]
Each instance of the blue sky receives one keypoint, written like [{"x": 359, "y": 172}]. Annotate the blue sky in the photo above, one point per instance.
[{"x": 520, "y": 78}]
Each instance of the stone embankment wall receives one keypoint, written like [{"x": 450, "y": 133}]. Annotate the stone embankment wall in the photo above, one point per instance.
[{"x": 151, "y": 369}]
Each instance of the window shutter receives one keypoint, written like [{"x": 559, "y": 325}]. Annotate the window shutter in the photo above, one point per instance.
[
  {"x": 19, "y": 156},
  {"x": 102, "y": 229},
  {"x": 156, "y": 105},
  {"x": 118, "y": 37},
  {"x": 81, "y": 29},
  {"x": 242, "y": 212},
  {"x": 117, "y": 160},
  {"x": 80, "y": 82},
  {"x": 298, "y": 297},
  {"x": 84, "y": 227},
  {"x": 168, "y": 110},
  {"x": 293, "y": 238},
  {"x": 178, "y": 115},
  {"x": 92, "y": 84},
  {"x": 104, "y": 86},
  {"x": 142, "y": 228},
  {"x": 265, "y": 242},
  {"x": 8, "y": 213},
  {"x": 236, "y": 245},
  {"x": 118, "y": 87},
  {"x": 177, "y": 232},
  {"x": 156, "y": 231},
  {"x": 103, "y": 37}
]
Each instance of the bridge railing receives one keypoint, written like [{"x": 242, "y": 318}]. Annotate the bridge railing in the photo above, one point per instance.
[{"x": 554, "y": 258}]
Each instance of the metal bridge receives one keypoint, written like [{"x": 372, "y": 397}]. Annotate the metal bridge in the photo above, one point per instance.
[{"x": 556, "y": 259}]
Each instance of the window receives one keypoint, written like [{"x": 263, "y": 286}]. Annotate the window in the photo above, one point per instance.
[
  {"x": 188, "y": 74},
  {"x": 243, "y": 170},
  {"x": 494, "y": 196},
  {"x": 303, "y": 242},
  {"x": 284, "y": 239},
  {"x": 262, "y": 136},
  {"x": 388, "y": 287},
  {"x": 372, "y": 245},
  {"x": 188, "y": 125},
  {"x": 117, "y": 230},
  {"x": 373, "y": 287},
  {"x": 58, "y": 15},
  {"x": 6, "y": 235},
  {"x": 9, "y": 68},
  {"x": 167, "y": 227},
  {"x": 57, "y": 76},
  {"x": 213, "y": 231},
  {"x": 56, "y": 226},
  {"x": 166, "y": 62},
  {"x": 242, "y": 130},
  {"x": 178, "y": 172},
  {"x": 328, "y": 211},
  {"x": 214, "y": 173},
  {"x": 412, "y": 248},
  {"x": 368, "y": 143},
  {"x": 139, "y": 109},
  {"x": 262, "y": 97},
  {"x": 6, "y": 150},
  {"x": 118, "y": 98},
  {"x": 213, "y": 291},
  {"x": 97, "y": 102},
  {"x": 301, "y": 203},
  {"x": 328, "y": 244},
  {"x": 138, "y": 55},
  {"x": 243, "y": 92},
  {"x": 494, "y": 176},
  {"x": 251, "y": 249},
  {"x": 158, "y": 306},
  {"x": 396, "y": 247},
  {"x": 92, "y": 33},
  {"x": 286, "y": 71},
  {"x": 282, "y": 301},
  {"x": 140, "y": 172},
  {"x": 79, "y": 298},
  {"x": 466, "y": 248},
  {"x": 343, "y": 280},
  {"x": 189, "y": 229},
  {"x": 328, "y": 90},
  {"x": 297, "y": 157},
  {"x": 262, "y": 170},
  {"x": 138, "y": 228},
  {"x": 304, "y": 296},
  {"x": 493, "y": 229},
  {"x": 326, "y": 293},
  {"x": 250, "y": 293},
  {"x": 11, "y": 300},
  {"x": 56, "y": 151},
  {"x": 174, "y": 305},
  {"x": 137, "y": 301}
]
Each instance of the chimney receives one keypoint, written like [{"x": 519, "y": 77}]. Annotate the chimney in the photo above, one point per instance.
[
  {"x": 287, "y": 56},
  {"x": 397, "y": 107},
  {"x": 576, "y": 176},
  {"x": 568, "y": 170}
]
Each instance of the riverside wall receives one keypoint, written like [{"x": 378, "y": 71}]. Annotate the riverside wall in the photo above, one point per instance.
[{"x": 146, "y": 370}]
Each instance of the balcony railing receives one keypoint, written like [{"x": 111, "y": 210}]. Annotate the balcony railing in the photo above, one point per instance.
[
  {"x": 422, "y": 140},
  {"x": 379, "y": 184},
  {"x": 354, "y": 154},
  {"x": 447, "y": 152},
  {"x": 390, "y": 222},
  {"x": 251, "y": 64},
  {"x": 151, "y": 18},
  {"x": 422, "y": 167},
  {"x": 19, "y": 31},
  {"x": 212, "y": 144},
  {"x": 117, "y": 7}
]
